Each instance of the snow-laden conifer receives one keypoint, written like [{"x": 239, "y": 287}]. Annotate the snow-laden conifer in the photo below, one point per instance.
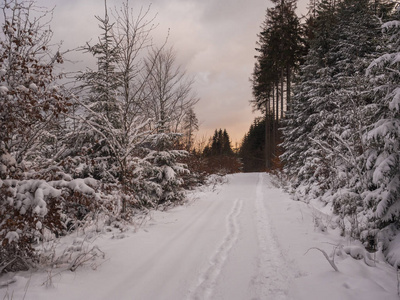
[
  {"x": 169, "y": 99},
  {"x": 383, "y": 155},
  {"x": 325, "y": 148}
]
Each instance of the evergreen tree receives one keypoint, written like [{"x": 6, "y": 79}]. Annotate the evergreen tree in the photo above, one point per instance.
[
  {"x": 220, "y": 144},
  {"x": 252, "y": 151},
  {"x": 383, "y": 154},
  {"x": 280, "y": 49},
  {"x": 168, "y": 98},
  {"x": 101, "y": 88},
  {"x": 357, "y": 44},
  {"x": 162, "y": 170},
  {"x": 313, "y": 83},
  {"x": 112, "y": 117},
  {"x": 219, "y": 156},
  {"x": 325, "y": 148},
  {"x": 189, "y": 126}
]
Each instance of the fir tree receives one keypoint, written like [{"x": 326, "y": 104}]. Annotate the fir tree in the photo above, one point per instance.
[
  {"x": 325, "y": 148},
  {"x": 112, "y": 110},
  {"x": 383, "y": 154},
  {"x": 189, "y": 126},
  {"x": 169, "y": 98},
  {"x": 101, "y": 88},
  {"x": 313, "y": 83},
  {"x": 280, "y": 49},
  {"x": 252, "y": 149},
  {"x": 220, "y": 144}
]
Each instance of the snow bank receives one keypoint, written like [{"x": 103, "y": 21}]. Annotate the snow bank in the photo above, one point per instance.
[{"x": 246, "y": 240}]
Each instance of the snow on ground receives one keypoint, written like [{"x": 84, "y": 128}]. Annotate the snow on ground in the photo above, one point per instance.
[{"x": 246, "y": 240}]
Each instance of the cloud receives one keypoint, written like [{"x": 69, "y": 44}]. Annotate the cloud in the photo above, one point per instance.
[{"x": 214, "y": 41}]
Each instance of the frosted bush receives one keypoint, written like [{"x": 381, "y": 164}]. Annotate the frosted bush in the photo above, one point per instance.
[{"x": 34, "y": 211}]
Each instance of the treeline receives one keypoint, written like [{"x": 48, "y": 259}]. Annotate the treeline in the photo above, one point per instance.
[
  {"x": 341, "y": 127},
  {"x": 115, "y": 141},
  {"x": 218, "y": 155}
]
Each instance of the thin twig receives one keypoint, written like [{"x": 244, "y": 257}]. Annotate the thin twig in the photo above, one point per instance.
[{"x": 331, "y": 262}]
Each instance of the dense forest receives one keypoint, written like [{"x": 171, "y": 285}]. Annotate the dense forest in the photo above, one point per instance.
[{"x": 328, "y": 84}]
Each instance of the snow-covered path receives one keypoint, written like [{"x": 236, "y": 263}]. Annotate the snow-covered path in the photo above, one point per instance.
[{"x": 247, "y": 240}]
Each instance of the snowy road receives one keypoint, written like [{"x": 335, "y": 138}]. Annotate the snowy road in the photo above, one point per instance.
[
  {"x": 221, "y": 247},
  {"x": 247, "y": 240}
]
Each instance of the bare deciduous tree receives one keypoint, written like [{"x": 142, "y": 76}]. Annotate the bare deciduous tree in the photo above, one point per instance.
[
  {"x": 169, "y": 90},
  {"x": 124, "y": 128}
]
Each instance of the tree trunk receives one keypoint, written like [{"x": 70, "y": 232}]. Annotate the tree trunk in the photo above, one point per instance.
[
  {"x": 267, "y": 135},
  {"x": 282, "y": 83},
  {"x": 288, "y": 88}
]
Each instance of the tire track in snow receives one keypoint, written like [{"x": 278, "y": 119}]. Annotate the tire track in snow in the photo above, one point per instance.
[
  {"x": 167, "y": 253},
  {"x": 274, "y": 277},
  {"x": 208, "y": 280}
]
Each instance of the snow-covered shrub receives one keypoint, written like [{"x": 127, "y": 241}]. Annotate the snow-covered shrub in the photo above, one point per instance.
[
  {"x": 159, "y": 176},
  {"x": 222, "y": 165},
  {"x": 7, "y": 162},
  {"x": 390, "y": 238},
  {"x": 24, "y": 213},
  {"x": 35, "y": 210},
  {"x": 198, "y": 171},
  {"x": 147, "y": 191},
  {"x": 30, "y": 100},
  {"x": 79, "y": 252}
]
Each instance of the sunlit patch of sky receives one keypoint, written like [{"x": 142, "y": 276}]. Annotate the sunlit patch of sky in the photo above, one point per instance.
[{"x": 214, "y": 40}]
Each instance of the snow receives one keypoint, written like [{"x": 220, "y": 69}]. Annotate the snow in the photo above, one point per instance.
[
  {"x": 169, "y": 173},
  {"x": 12, "y": 236},
  {"x": 393, "y": 252},
  {"x": 245, "y": 239},
  {"x": 39, "y": 225},
  {"x": 33, "y": 86},
  {"x": 7, "y": 159},
  {"x": 395, "y": 103},
  {"x": 79, "y": 185},
  {"x": 3, "y": 89},
  {"x": 390, "y": 24}
]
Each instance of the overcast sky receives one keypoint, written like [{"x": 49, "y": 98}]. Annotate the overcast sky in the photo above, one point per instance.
[{"x": 214, "y": 41}]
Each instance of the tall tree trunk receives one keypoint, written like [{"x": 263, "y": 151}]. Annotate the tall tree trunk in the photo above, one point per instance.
[
  {"x": 288, "y": 88},
  {"x": 282, "y": 84},
  {"x": 275, "y": 123},
  {"x": 267, "y": 135}
]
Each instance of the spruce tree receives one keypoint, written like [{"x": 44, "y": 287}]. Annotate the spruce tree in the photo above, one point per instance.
[
  {"x": 220, "y": 144},
  {"x": 280, "y": 48},
  {"x": 383, "y": 154},
  {"x": 252, "y": 148},
  {"x": 100, "y": 89},
  {"x": 312, "y": 84},
  {"x": 112, "y": 101},
  {"x": 189, "y": 127},
  {"x": 325, "y": 145},
  {"x": 357, "y": 44}
]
